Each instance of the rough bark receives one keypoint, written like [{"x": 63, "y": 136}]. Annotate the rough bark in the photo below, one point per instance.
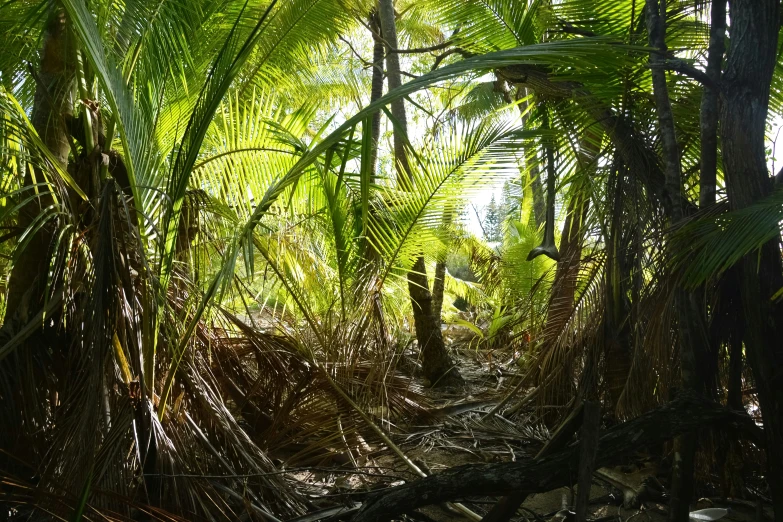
[
  {"x": 709, "y": 105},
  {"x": 439, "y": 281},
  {"x": 371, "y": 255},
  {"x": 53, "y": 101},
  {"x": 20, "y": 435},
  {"x": 528, "y": 476},
  {"x": 745, "y": 93},
  {"x": 436, "y": 363}
]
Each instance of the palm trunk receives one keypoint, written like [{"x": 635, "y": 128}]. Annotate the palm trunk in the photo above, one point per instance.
[
  {"x": 376, "y": 90},
  {"x": 21, "y": 426},
  {"x": 692, "y": 335},
  {"x": 438, "y": 286},
  {"x": 53, "y": 101},
  {"x": 436, "y": 363},
  {"x": 394, "y": 77},
  {"x": 371, "y": 255},
  {"x": 616, "y": 331},
  {"x": 709, "y": 105},
  {"x": 744, "y": 101}
]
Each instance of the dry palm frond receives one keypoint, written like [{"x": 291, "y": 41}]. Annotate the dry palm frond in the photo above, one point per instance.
[{"x": 562, "y": 350}]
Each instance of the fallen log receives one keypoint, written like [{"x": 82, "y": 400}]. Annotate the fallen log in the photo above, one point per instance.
[
  {"x": 527, "y": 476},
  {"x": 506, "y": 507}
]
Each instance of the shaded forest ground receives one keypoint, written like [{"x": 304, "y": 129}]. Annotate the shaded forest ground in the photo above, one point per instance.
[{"x": 459, "y": 428}]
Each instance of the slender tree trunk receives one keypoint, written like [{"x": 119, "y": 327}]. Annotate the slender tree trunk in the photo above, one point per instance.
[
  {"x": 561, "y": 302},
  {"x": 744, "y": 101},
  {"x": 709, "y": 105},
  {"x": 388, "y": 24},
  {"x": 617, "y": 346},
  {"x": 371, "y": 255},
  {"x": 692, "y": 336},
  {"x": 53, "y": 101},
  {"x": 436, "y": 363},
  {"x": 729, "y": 449},
  {"x": 656, "y": 27},
  {"x": 376, "y": 90}
]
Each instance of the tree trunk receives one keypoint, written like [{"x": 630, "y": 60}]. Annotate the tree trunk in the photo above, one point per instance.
[
  {"x": 21, "y": 434},
  {"x": 617, "y": 350},
  {"x": 53, "y": 101},
  {"x": 561, "y": 301},
  {"x": 371, "y": 255},
  {"x": 438, "y": 286},
  {"x": 386, "y": 15},
  {"x": 709, "y": 105},
  {"x": 376, "y": 90},
  {"x": 744, "y": 101},
  {"x": 690, "y": 318},
  {"x": 436, "y": 363}
]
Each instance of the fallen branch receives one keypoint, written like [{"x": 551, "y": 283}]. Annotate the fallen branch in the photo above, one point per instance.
[{"x": 526, "y": 476}]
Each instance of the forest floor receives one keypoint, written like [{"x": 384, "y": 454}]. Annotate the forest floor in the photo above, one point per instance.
[{"x": 460, "y": 432}]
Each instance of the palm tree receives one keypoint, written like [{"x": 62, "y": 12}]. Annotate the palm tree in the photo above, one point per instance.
[{"x": 215, "y": 260}]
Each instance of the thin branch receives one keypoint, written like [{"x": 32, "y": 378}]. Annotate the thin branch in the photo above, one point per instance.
[
  {"x": 456, "y": 50},
  {"x": 484, "y": 232},
  {"x": 569, "y": 28},
  {"x": 686, "y": 69},
  {"x": 356, "y": 53}
]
